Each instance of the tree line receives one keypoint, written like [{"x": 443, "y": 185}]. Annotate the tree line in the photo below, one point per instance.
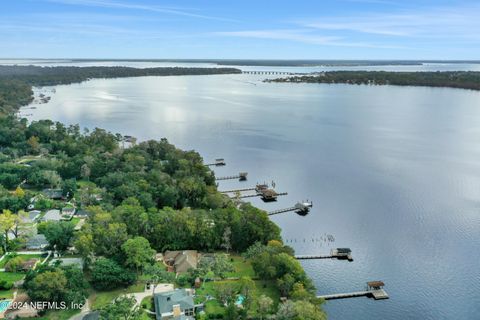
[{"x": 451, "y": 79}]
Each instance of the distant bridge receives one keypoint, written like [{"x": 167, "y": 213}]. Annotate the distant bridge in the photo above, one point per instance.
[{"x": 269, "y": 72}]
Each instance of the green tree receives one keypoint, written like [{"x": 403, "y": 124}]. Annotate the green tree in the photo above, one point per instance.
[
  {"x": 308, "y": 311},
  {"x": 59, "y": 234},
  {"x": 84, "y": 245},
  {"x": 265, "y": 305},
  {"x": 286, "y": 311},
  {"x": 48, "y": 286},
  {"x": 133, "y": 215},
  {"x": 122, "y": 308},
  {"x": 157, "y": 274},
  {"x": 69, "y": 188},
  {"x": 138, "y": 253},
  {"x": 14, "y": 264},
  {"x": 108, "y": 274},
  {"x": 7, "y": 221}
]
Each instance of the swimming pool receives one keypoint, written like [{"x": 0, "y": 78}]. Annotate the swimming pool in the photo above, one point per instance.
[
  {"x": 4, "y": 305},
  {"x": 240, "y": 299}
]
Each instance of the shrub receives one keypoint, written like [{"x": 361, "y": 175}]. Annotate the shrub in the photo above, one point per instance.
[{"x": 14, "y": 264}]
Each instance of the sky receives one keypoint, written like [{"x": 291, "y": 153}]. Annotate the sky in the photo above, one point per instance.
[{"x": 241, "y": 29}]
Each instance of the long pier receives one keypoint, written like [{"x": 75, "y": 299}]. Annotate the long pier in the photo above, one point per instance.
[
  {"x": 238, "y": 190},
  {"x": 374, "y": 290},
  {"x": 242, "y": 176},
  {"x": 260, "y": 195},
  {"x": 339, "y": 253},
  {"x": 217, "y": 163},
  {"x": 300, "y": 207},
  {"x": 375, "y": 294}
]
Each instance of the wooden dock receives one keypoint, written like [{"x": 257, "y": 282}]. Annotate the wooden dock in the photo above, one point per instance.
[
  {"x": 301, "y": 208},
  {"x": 374, "y": 290},
  {"x": 237, "y": 190},
  {"x": 261, "y": 195},
  {"x": 339, "y": 253},
  {"x": 217, "y": 163},
  {"x": 242, "y": 176}
]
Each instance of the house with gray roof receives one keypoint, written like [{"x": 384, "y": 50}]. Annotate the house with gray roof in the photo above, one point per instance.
[
  {"x": 181, "y": 261},
  {"x": 37, "y": 242},
  {"x": 174, "y": 305},
  {"x": 32, "y": 216},
  {"x": 52, "y": 215}
]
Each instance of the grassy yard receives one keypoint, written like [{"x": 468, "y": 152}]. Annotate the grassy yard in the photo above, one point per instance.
[
  {"x": 75, "y": 221},
  {"x": 85, "y": 184},
  {"x": 99, "y": 299},
  {"x": 147, "y": 303},
  {"x": 11, "y": 277},
  {"x": 24, "y": 257},
  {"x": 6, "y": 294},
  {"x": 242, "y": 268},
  {"x": 214, "y": 307},
  {"x": 267, "y": 288}
]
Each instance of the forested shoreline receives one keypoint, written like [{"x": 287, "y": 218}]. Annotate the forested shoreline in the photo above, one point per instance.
[
  {"x": 450, "y": 79},
  {"x": 136, "y": 201}
]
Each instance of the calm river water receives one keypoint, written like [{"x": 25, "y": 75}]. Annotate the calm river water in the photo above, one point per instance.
[{"x": 393, "y": 172}]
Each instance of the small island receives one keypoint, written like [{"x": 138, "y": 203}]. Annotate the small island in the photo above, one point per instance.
[{"x": 451, "y": 79}]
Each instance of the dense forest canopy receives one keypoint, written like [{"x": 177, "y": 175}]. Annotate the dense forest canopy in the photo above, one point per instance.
[
  {"x": 43, "y": 76},
  {"x": 452, "y": 79}
]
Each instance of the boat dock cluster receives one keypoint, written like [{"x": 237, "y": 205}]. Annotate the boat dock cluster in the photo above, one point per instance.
[{"x": 374, "y": 289}]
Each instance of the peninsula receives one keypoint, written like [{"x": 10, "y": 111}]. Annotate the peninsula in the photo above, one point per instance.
[
  {"x": 457, "y": 79},
  {"x": 86, "y": 218}
]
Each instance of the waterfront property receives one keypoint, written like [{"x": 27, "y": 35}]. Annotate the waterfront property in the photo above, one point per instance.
[{"x": 177, "y": 304}]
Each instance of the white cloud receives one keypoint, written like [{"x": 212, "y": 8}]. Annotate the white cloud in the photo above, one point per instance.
[
  {"x": 299, "y": 35},
  {"x": 427, "y": 22},
  {"x": 136, "y": 6}
]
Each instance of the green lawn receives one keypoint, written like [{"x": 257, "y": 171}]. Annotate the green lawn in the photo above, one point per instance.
[
  {"x": 75, "y": 221},
  {"x": 84, "y": 183},
  {"x": 242, "y": 268},
  {"x": 11, "y": 277},
  {"x": 99, "y": 299},
  {"x": 24, "y": 256},
  {"x": 267, "y": 288},
  {"x": 6, "y": 294},
  {"x": 214, "y": 307},
  {"x": 147, "y": 303}
]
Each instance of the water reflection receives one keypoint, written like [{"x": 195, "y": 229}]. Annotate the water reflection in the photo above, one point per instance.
[{"x": 394, "y": 173}]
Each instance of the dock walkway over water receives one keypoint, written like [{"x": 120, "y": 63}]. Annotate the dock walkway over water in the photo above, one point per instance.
[
  {"x": 374, "y": 290},
  {"x": 301, "y": 208},
  {"x": 339, "y": 253},
  {"x": 242, "y": 176},
  {"x": 266, "y": 195},
  {"x": 218, "y": 162}
]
